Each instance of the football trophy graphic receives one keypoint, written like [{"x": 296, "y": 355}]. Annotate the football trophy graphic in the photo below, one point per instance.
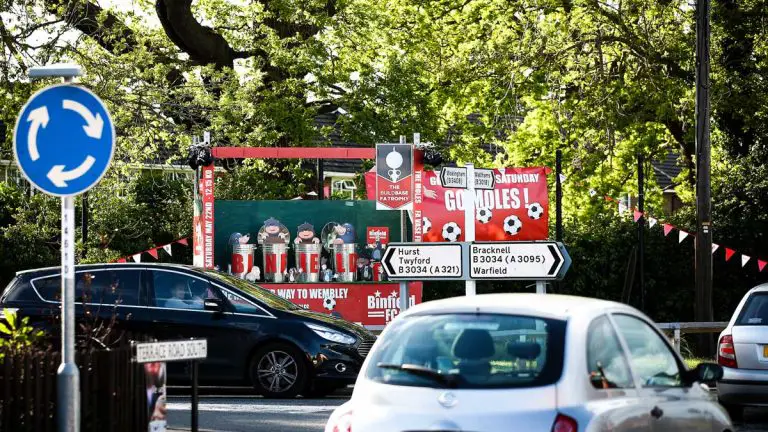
[
  {"x": 512, "y": 225},
  {"x": 451, "y": 232}
]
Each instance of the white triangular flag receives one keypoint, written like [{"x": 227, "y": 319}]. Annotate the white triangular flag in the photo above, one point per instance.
[
  {"x": 592, "y": 192},
  {"x": 137, "y": 257},
  {"x": 562, "y": 178},
  {"x": 714, "y": 247},
  {"x": 744, "y": 260},
  {"x": 683, "y": 235},
  {"x": 167, "y": 248},
  {"x": 652, "y": 222}
]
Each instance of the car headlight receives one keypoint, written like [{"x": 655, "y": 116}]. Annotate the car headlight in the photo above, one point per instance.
[{"x": 331, "y": 335}]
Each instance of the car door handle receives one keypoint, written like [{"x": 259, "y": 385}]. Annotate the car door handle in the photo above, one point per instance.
[{"x": 657, "y": 412}]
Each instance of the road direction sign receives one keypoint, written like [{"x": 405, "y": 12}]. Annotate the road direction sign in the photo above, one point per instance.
[
  {"x": 453, "y": 177},
  {"x": 64, "y": 140},
  {"x": 518, "y": 260},
  {"x": 456, "y": 177},
  {"x": 424, "y": 261},
  {"x": 171, "y": 351},
  {"x": 484, "y": 179}
]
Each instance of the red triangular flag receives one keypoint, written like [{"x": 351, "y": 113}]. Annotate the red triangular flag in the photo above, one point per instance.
[
  {"x": 761, "y": 264},
  {"x": 668, "y": 228},
  {"x": 183, "y": 241},
  {"x": 121, "y": 260},
  {"x": 153, "y": 252},
  {"x": 638, "y": 215},
  {"x": 729, "y": 253}
]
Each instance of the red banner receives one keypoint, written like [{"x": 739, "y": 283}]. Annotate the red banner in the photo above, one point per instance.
[
  {"x": 517, "y": 209},
  {"x": 371, "y": 305},
  {"x": 206, "y": 192},
  {"x": 377, "y": 233}
]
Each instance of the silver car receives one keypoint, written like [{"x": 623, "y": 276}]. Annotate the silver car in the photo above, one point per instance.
[
  {"x": 527, "y": 362},
  {"x": 742, "y": 351}
]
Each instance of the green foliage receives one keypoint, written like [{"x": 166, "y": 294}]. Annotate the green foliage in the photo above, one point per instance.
[{"x": 16, "y": 334}]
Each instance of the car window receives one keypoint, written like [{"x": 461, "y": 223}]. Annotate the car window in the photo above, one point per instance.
[
  {"x": 265, "y": 296},
  {"x": 651, "y": 358},
  {"x": 470, "y": 351},
  {"x": 179, "y": 291},
  {"x": 241, "y": 304},
  {"x": 755, "y": 310},
  {"x": 606, "y": 364},
  {"x": 108, "y": 287}
]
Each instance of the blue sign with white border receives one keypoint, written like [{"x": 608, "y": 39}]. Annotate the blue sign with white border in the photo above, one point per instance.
[{"x": 64, "y": 140}]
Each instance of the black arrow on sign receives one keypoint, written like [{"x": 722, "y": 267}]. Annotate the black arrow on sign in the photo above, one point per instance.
[
  {"x": 556, "y": 256},
  {"x": 386, "y": 260}
]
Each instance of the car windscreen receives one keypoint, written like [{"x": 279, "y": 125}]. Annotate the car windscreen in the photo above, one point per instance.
[
  {"x": 261, "y": 294},
  {"x": 755, "y": 310},
  {"x": 470, "y": 351}
]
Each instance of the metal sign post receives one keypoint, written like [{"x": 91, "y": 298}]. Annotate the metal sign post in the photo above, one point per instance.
[{"x": 63, "y": 143}]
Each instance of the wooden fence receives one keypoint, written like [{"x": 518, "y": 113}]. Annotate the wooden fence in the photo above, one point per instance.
[{"x": 112, "y": 391}]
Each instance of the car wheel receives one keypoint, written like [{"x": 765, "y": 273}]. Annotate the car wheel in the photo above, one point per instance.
[
  {"x": 278, "y": 371},
  {"x": 736, "y": 412}
]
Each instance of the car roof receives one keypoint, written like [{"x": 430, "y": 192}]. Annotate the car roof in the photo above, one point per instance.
[
  {"x": 759, "y": 288},
  {"x": 95, "y": 266},
  {"x": 554, "y": 306}
]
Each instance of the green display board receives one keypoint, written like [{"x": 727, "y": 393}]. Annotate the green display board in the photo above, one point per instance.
[{"x": 249, "y": 216}]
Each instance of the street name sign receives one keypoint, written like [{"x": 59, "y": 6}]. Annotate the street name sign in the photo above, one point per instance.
[
  {"x": 456, "y": 177},
  {"x": 536, "y": 260},
  {"x": 193, "y": 349},
  {"x": 64, "y": 140},
  {"x": 424, "y": 261}
]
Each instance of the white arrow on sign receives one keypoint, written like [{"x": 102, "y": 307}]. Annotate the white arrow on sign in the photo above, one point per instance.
[
  {"x": 94, "y": 124},
  {"x": 59, "y": 177},
  {"x": 516, "y": 260},
  {"x": 420, "y": 261},
  {"x": 38, "y": 117}
]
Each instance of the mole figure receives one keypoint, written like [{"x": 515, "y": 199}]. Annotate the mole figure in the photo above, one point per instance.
[
  {"x": 306, "y": 234},
  {"x": 345, "y": 234},
  {"x": 273, "y": 232}
]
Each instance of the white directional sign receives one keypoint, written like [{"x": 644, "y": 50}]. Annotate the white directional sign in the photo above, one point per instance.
[
  {"x": 171, "y": 351},
  {"x": 484, "y": 179},
  {"x": 518, "y": 260},
  {"x": 456, "y": 177},
  {"x": 423, "y": 261},
  {"x": 453, "y": 177},
  {"x": 64, "y": 140}
]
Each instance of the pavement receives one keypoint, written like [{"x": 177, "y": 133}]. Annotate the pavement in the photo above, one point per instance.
[{"x": 241, "y": 412}]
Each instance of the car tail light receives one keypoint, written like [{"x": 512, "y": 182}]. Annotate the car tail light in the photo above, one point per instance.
[
  {"x": 563, "y": 423},
  {"x": 726, "y": 353},
  {"x": 343, "y": 423}
]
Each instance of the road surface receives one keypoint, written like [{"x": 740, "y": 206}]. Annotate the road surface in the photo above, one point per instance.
[{"x": 241, "y": 413}]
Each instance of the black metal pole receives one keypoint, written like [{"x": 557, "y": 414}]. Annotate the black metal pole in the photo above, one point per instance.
[
  {"x": 84, "y": 224},
  {"x": 320, "y": 179},
  {"x": 641, "y": 228},
  {"x": 703, "y": 305},
  {"x": 194, "y": 396},
  {"x": 558, "y": 196}
]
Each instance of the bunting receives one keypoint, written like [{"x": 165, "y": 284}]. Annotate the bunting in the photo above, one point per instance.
[
  {"x": 153, "y": 252},
  {"x": 667, "y": 227}
]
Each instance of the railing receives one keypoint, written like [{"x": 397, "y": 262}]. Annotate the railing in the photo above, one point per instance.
[
  {"x": 112, "y": 391},
  {"x": 676, "y": 330}
]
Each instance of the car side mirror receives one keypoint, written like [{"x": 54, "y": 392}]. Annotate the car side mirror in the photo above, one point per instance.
[
  {"x": 213, "y": 304},
  {"x": 707, "y": 373}
]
